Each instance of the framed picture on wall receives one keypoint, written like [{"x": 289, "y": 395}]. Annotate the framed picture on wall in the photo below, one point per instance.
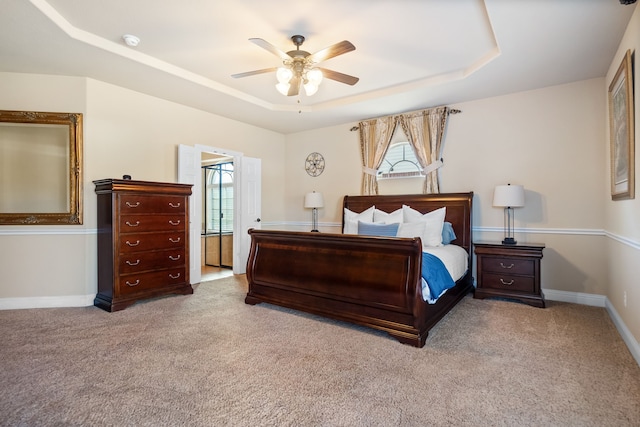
[{"x": 621, "y": 125}]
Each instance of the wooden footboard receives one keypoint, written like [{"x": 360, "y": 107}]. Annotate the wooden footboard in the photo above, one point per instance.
[{"x": 370, "y": 281}]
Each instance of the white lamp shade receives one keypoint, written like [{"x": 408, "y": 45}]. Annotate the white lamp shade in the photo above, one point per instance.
[
  {"x": 508, "y": 196},
  {"x": 313, "y": 200},
  {"x": 283, "y": 88},
  {"x": 310, "y": 89},
  {"x": 284, "y": 75},
  {"x": 314, "y": 76}
]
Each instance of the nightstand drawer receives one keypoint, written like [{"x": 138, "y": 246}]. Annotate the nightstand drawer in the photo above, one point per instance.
[
  {"x": 509, "y": 266},
  {"x": 513, "y": 283}
]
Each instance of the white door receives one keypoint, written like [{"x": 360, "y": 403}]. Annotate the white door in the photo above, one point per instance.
[
  {"x": 250, "y": 210},
  {"x": 247, "y": 198},
  {"x": 189, "y": 172}
]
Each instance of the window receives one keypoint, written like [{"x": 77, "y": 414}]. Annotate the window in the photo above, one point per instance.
[
  {"x": 400, "y": 160},
  {"x": 219, "y": 198}
]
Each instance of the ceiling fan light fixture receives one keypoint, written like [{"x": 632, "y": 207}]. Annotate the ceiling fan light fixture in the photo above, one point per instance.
[{"x": 298, "y": 69}]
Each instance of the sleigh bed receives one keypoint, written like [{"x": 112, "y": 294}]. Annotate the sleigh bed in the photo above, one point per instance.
[{"x": 367, "y": 280}]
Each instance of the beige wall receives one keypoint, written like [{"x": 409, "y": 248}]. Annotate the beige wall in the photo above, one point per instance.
[
  {"x": 549, "y": 140},
  {"x": 554, "y": 141},
  {"x": 622, "y": 218},
  {"x": 125, "y": 132}
]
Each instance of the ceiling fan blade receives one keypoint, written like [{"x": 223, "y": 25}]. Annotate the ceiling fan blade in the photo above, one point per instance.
[
  {"x": 331, "y": 52},
  {"x": 294, "y": 87},
  {"x": 253, "y": 73},
  {"x": 339, "y": 77},
  {"x": 271, "y": 48}
]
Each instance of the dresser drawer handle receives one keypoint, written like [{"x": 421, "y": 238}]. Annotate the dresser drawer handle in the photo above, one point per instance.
[
  {"x": 174, "y": 277},
  {"x": 507, "y": 266},
  {"x": 506, "y": 283},
  {"x": 174, "y": 241},
  {"x": 133, "y": 263},
  {"x": 177, "y": 205},
  {"x": 133, "y": 225},
  {"x": 133, "y": 244},
  {"x": 174, "y": 258},
  {"x": 174, "y": 222},
  {"x": 136, "y": 283},
  {"x": 131, "y": 205}
]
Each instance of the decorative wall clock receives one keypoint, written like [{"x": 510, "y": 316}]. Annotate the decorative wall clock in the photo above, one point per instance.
[{"x": 314, "y": 165}]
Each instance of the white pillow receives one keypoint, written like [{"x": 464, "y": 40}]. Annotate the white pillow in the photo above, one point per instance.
[
  {"x": 388, "y": 218},
  {"x": 411, "y": 229},
  {"x": 433, "y": 220},
  {"x": 351, "y": 219}
]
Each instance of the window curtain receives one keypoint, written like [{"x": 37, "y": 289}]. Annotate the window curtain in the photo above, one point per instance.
[
  {"x": 424, "y": 130},
  {"x": 375, "y": 136}
]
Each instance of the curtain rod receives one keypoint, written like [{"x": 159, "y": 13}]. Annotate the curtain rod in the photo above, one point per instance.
[{"x": 451, "y": 111}]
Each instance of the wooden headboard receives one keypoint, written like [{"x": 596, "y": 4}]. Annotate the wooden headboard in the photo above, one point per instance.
[{"x": 458, "y": 209}]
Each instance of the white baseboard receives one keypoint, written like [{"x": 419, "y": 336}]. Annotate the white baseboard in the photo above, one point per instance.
[
  {"x": 593, "y": 300},
  {"x": 47, "y": 302}
]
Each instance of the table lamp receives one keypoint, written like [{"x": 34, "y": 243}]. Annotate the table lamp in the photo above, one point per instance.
[
  {"x": 508, "y": 196},
  {"x": 314, "y": 201}
]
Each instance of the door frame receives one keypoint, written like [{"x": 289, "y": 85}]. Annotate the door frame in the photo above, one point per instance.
[
  {"x": 195, "y": 251},
  {"x": 237, "y": 194}
]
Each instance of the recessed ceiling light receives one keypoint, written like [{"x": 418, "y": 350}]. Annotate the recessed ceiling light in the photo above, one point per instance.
[{"x": 131, "y": 40}]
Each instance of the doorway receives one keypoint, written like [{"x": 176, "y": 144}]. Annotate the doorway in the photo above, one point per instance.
[
  {"x": 217, "y": 216},
  {"x": 247, "y": 202},
  {"x": 217, "y": 227}
]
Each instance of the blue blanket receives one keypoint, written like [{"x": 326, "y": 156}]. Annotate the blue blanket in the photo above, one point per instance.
[{"x": 436, "y": 274}]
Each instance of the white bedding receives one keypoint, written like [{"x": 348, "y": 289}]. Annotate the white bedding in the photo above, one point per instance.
[{"x": 454, "y": 258}]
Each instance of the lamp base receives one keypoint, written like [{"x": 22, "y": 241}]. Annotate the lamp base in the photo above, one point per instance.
[
  {"x": 509, "y": 241},
  {"x": 314, "y": 231}
]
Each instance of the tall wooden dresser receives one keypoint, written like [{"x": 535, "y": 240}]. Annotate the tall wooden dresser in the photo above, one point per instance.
[{"x": 143, "y": 241}]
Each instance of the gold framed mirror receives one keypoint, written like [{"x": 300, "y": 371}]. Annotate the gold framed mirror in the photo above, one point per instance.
[{"x": 40, "y": 168}]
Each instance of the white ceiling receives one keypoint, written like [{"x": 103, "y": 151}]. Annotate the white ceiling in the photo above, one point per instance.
[{"x": 410, "y": 54}]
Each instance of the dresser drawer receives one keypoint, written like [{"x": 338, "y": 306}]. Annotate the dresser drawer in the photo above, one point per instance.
[
  {"x": 503, "y": 265},
  {"x": 142, "y": 223},
  {"x": 512, "y": 283},
  {"x": 134, "y": 203},
  {"x": 157, "y": 260},
  {"x": 134, "y": 283},
  {"x": 140, "y": 242}
]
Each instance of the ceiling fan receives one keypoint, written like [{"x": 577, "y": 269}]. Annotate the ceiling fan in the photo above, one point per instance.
[{"x": 299, "y": 66}]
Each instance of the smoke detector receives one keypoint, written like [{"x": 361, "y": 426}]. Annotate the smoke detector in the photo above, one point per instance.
[{"x": 131, "y": 40}]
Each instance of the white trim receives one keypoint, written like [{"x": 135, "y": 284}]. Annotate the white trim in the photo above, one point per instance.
[
  {"x": 581, "y": 298},
  {"x": 579, "y": 231},
  {"x": 623, "y": 240},
  {"x": 47, "y": 302},
  {"x": 563, "y": 231},
  {"x": 626, "y": 335},
  {"x": 567, "y": 231},
  {"x": 46, "y": 230}
]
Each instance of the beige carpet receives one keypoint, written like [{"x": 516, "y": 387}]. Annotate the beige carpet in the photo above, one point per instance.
[{"x": 208, "y": 360}]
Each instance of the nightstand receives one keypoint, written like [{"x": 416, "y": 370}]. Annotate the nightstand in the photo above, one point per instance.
[{"x": 509, "y": 271}]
